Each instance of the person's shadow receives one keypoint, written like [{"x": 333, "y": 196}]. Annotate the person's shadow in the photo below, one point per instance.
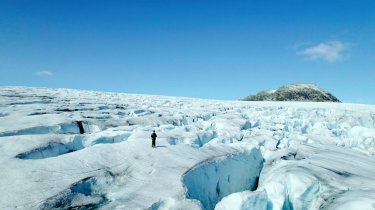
[{"x": 161, "y": 146}]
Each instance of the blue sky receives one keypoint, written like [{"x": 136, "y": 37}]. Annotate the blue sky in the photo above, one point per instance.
[{"x": 206, "y": 49}]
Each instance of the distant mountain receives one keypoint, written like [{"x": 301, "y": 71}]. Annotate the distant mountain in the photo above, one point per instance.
[{"x": 294, "y": 92}]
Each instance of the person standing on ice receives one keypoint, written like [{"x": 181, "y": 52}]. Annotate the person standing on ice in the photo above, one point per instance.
[{"x": 153, "y": 138}]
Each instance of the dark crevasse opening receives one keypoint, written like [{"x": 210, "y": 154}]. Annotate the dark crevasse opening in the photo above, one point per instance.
[
  {"x": 214, "y": 179},
  {"x": 80, "y": 126}
]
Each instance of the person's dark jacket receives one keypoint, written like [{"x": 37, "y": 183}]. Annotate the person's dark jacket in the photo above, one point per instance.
[{"x": 153, "y": 136}]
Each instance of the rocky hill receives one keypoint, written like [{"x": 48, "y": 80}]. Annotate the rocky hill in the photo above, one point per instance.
[{"x": 294, "y": 92}]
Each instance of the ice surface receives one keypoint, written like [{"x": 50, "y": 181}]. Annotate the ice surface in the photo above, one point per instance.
[
  {"x": 245, "y": 200},
  {"x": 214, "y": 179},
  {"x": 209, "y": 153}
]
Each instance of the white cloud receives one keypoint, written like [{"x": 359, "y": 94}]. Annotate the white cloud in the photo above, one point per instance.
[
  {"x": 43, "y": 73},
  {"x": 328, "y": 51}
]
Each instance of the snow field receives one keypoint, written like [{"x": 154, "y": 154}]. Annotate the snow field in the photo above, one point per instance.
[{"x": 210, "y": 155}]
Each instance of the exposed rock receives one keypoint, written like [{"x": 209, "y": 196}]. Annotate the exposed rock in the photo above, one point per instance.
[{"x": 295, "y": 92}]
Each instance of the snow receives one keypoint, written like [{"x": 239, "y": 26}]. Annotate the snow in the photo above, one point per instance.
[
  {"x": 223, "y": 155},
  {"x": 245, "y": 200}
]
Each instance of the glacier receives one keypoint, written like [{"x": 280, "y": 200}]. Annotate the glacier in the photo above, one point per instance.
[{"x": 74, "y": 149}]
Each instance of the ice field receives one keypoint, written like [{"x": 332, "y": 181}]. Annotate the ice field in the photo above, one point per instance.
[{"x": 64, "y": 149}]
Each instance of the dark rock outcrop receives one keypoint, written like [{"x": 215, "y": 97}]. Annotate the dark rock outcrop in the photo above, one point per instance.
[{"x": 295, "y": 92}]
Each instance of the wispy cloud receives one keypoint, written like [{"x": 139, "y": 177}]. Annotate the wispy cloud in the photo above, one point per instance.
[
  {"x": 43, "y": 73},
  {"x": 328, "y": 51}
]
